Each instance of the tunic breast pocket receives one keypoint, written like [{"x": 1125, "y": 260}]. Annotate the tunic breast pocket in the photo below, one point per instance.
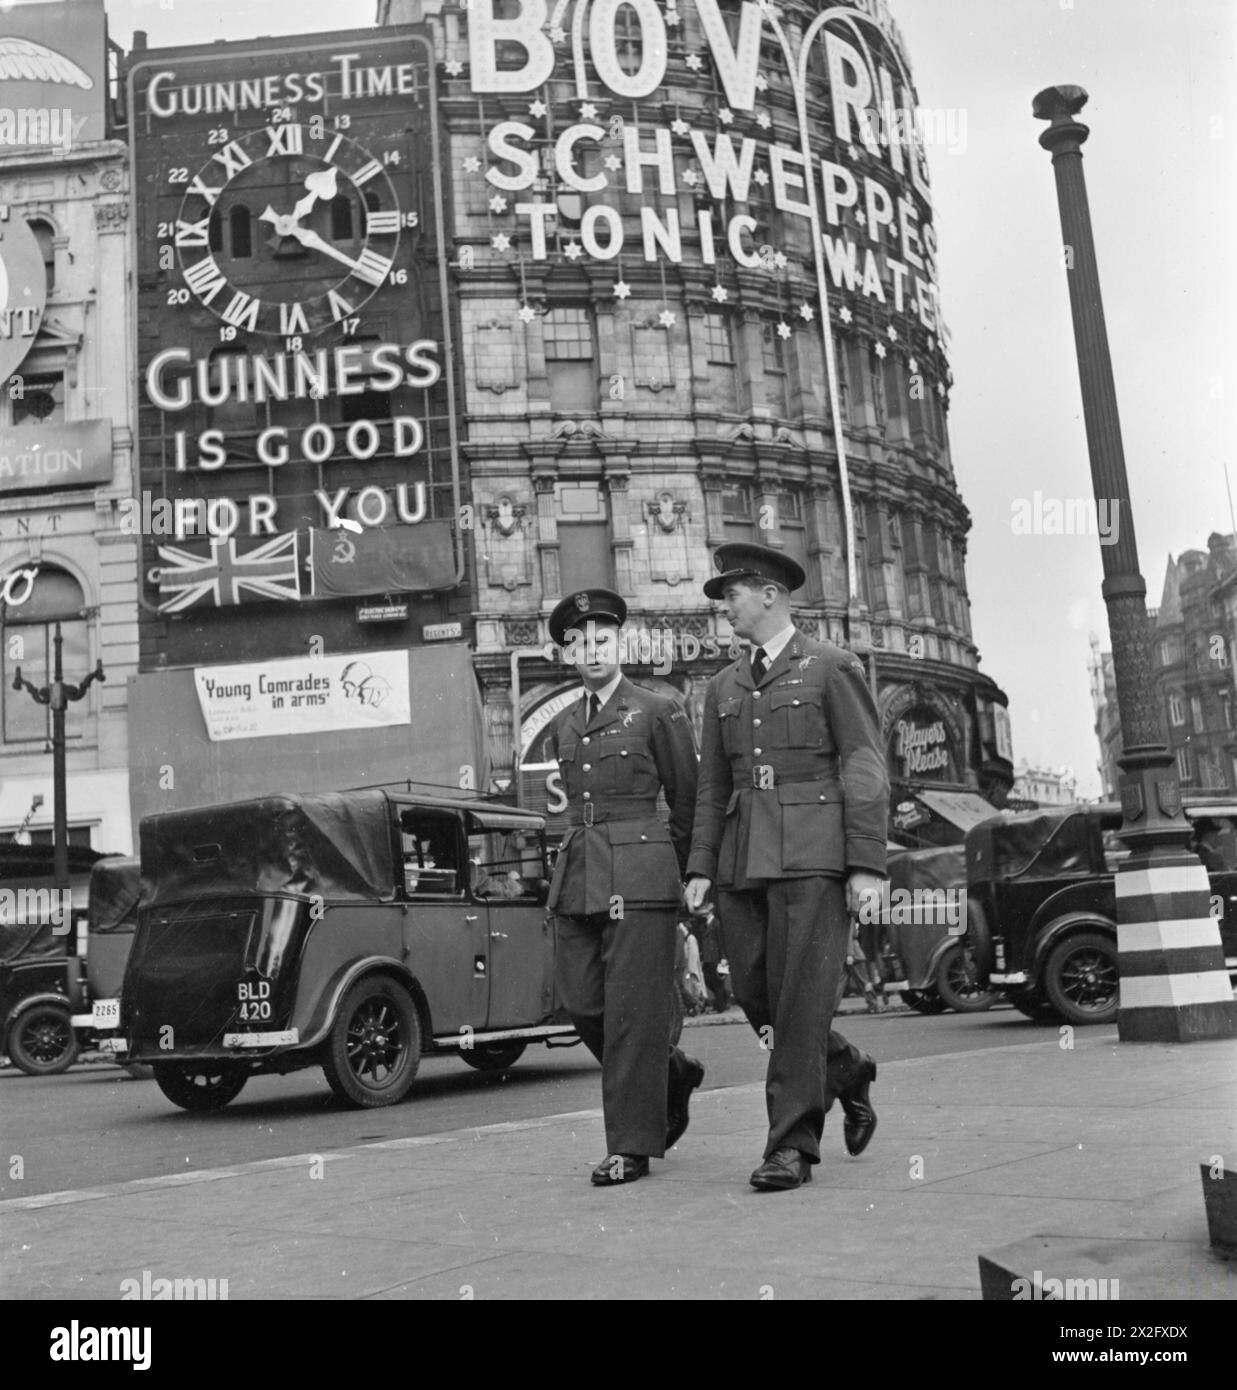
[
  {"x": 797, "y": 717},
  {"x": 728, "y": 712},
  {"x": 623, "y": 765}
]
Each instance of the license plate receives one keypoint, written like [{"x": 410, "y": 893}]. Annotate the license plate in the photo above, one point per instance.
[{"x": 106, "y": 1013}]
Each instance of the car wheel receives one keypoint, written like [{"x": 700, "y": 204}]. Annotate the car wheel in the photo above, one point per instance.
[
  {"x": 493, "y": 1056},
  {"x": 1032, "y": 1004},
  {"x": 1081, "y": 978},
  {"x": 42, "y": 1041},
  {"x": 924, "y": 1001},
  {"x": 200, "y": 1086},
  {"x": 957, "y": 985},
  {"x": 374, "y": 1049}
]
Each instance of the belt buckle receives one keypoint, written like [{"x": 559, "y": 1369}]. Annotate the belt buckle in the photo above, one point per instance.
[
  {"x": 588, "y": 813},
  {"x": 763, "y": 777}
]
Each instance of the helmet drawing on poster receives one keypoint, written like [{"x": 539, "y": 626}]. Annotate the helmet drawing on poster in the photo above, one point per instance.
[{"x": 360, "y": 683}]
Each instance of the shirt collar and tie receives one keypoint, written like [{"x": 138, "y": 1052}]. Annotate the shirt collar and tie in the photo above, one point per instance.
[
  {"x": 595, "y": 700},
  {"x": 764, "y": 657}
]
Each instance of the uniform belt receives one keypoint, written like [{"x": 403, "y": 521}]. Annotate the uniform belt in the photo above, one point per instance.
[
  {"x": 781, "y": 779},
  {"x": 590, "y": 813}
]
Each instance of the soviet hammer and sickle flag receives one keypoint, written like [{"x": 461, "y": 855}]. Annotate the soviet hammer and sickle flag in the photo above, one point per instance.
[
  {"x": 382, "y": 560},
  {"x": 222, "y": 573}
]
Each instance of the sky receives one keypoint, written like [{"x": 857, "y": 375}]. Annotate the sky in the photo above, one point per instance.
[{"x": 1162, "y": 179}]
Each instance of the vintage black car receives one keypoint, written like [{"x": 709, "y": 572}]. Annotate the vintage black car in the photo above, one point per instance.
[
  {"x": 355, "y": 931},
  {"x": 1041, "y": 903}
]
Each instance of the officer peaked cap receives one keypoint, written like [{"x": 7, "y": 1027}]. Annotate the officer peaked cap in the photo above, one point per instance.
[
  {"x": 743, "y": 560},
  {"x": 584, "y": 606}
]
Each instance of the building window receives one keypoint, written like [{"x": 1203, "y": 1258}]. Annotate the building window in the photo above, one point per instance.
[
  {"x": 570, "y": 359},
  {"x": 28, "y": 635},
  {"x": 738, "y": 512},
  {"x": 1196, "y": 714},
  {"x": 719, "y": 352},
  {"x": 240, "y": 233},
  {"x": 45, "y": 235},
  {"x": 773, "y": 356},
  {"x": 1183, "y": 765},
  {"x": 791, "y": 524},
  {"x": 341, "y": 218},
  {"x": 41, "y": 400},
  {"x": 1226, "y": 708},
  {"x": 78, "y": 835},
  {"x": 1176, "y": 710},
  {"x": 628, "y": 39},
  {"x": 876, "y": 385},
  {"x": 584, "y": 556},
  {"x": 896, "y": 424},
  {"x": 510, "y": 56}
]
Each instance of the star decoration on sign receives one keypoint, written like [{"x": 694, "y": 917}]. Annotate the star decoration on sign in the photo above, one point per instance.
[
  {"x": 672, "y": 17},
  {"x": 613, "y": 162},
  {"x": 891, "y": 333},
  {"x": 500, "y": 241},
  {"x": 762, "y": 82},
  {"x": 694, "y": 61},
  {"x": 780, "y": 260},
  {"x": 453, "y": 68},
  {"x": 557, "y": 33},
  {"x": 761, "y": 177},
  {"x": 725, "y": 115},
  {"x": 763, "y": 120},
  {"x": 720, "y": 294},
  {"x": 537, "y": 108},
  {"x": 852, "y": 153},
  {"x": 783, "y": 330},
  {"x": 498, "y": 203},
  {"x": 845, "y": 314},
  {"x": 881, "y": 350},
  {"x": 912, "y": 363},
  {"x": 621, "y": 289},
  {"x": 588, "y": 111},
  {"x": 667, "y": 318},
  {"x": 679, "y": 127},
  {"x": 806, "y": 312},
  {"x": 472, "y": 164},
  {"x": 861, "y": 218},
  {"x": 690, "y": 178},
  {"x": 940, "y": 388},
  {"x": 573, "y": 250},
  {"x": 527, "y": 313}
]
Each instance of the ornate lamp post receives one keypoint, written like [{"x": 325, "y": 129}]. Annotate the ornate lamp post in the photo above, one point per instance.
[
  {"x": 1174, "y": 987},
  {"x": 59, "y": 694}
]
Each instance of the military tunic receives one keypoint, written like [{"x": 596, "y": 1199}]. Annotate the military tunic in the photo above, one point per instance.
[
  {"x": 794, "y": 796},
  {"x": 616, "y": 891}
]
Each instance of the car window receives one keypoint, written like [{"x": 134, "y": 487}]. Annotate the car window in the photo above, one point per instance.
[
  {"x": 1215, "y": 842},
  {"x": 1114, "y": 851},
  {"x": 430, "y": 854},
  {"x": 504, "y": 864}
]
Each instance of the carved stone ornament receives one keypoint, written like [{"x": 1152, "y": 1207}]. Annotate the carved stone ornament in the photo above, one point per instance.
[
  {"x": 1168, "y": 794},
  {"x": 111, "y": 179},
  {"x": 506, "y": 516},
  {"x": 666, "y": 512},
  {"x": 1132, "y": 801}
]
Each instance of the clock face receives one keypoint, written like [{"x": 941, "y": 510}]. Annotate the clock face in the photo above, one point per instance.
[{"x": 288, "y": 229}]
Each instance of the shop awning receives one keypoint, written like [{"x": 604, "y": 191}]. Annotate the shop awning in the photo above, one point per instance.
[{"x": 963, "y": 809}]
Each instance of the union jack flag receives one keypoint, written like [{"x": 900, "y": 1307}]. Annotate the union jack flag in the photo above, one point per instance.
[{"x": 222, "y": 573}]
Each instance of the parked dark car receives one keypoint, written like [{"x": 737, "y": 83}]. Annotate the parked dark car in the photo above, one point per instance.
[
  {"x": 924, "y": 952},
  {"x": 37, "y": 945},
  {"x": 1041, "y": 907},
  {"x": 355, "y": 931}
]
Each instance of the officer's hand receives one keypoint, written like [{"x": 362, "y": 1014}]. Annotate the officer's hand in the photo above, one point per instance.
[
  {"x": 696, "y": 894},
  {"x": 863, "y": 895}
]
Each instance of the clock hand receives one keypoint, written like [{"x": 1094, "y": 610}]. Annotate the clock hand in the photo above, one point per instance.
[
  {"x": 315, "y": 243},
  {"x": 321, "y": 184}
]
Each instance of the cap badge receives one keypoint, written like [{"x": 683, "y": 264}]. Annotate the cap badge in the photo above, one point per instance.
[{"x": 582, "y": 602}]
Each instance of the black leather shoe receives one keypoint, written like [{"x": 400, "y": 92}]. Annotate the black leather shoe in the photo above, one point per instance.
[
  {"x": 682, "y": 1084},
  {"x": 620, "y": 1168},
  {"x": 782, "y": 1170},
  {"x": 860, "y": 1123}
]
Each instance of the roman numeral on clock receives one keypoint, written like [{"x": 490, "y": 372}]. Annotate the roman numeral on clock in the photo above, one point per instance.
[
  {"x": 193, "y": 233},
  {"x": 233, "y": 159},
  {"x": 204, "y": 190},
  {"x": 205, "y": 279},
  {"x": 367, "y": 172},
  {"x": 340, "y": 308},
  {"x": 382, "y": 223},
  {"x": 292, "y": 319},
  {"x": 242, "y": 311},
  {"x": 285, "y": 139},
  {"x": 371, "y": 267}
]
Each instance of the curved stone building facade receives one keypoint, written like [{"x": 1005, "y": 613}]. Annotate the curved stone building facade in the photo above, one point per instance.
[{"x": 695, "y": 268}]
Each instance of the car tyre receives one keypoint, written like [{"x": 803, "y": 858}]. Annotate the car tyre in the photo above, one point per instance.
[
  {"x": 42, "y": 1041},
  {"x": 1081, "y": 978},
  {"x": 200, "y": 1086},
  {"x": 956, "y": 982},
  {"x": 494, "y": 1056},
  {"x": 924, "y": 1001},
  {"x": 374, "y": 1049},
  {"x": 1031, "y": 1004}
]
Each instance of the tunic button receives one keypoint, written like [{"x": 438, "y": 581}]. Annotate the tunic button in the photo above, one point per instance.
[
  {"x": 794, "y": 702},
  {"x": 755, "y": 723},
  {"x": 588, "y": 796},
  {"x": 755, "y": 694},
  {"x": 622, "y": 752},
  {"x": 588, "y": 767},
  {"x": 584, "y": 739},
  {"x": 756, "y": 750}
]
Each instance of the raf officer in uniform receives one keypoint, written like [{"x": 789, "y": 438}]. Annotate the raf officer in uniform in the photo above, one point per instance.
[
  {"x": 790, "y": 824},
  {"x": 617, "y": 884}
]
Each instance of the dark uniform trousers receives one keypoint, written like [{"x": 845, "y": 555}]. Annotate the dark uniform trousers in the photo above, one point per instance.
[
  {"x": 616, "y": 894},
  {"x": 793, "y": 797}
]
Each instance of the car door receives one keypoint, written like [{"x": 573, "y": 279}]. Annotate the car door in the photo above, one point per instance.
[{"x": 521, "y": 946}]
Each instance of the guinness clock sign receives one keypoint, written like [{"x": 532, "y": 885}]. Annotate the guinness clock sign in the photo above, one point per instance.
[{"x": 293, "y": 344}]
